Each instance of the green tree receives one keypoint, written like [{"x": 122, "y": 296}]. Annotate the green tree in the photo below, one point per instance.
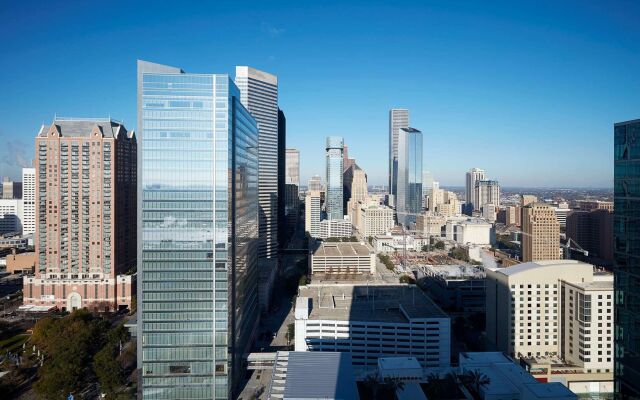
[
  {"x": 439, "y": 245},
  {"x": 108, "y": 370},
  {"x": 459, "y": 254}
]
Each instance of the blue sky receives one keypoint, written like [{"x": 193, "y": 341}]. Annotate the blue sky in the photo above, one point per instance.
[{"x": 529, "y": 91}]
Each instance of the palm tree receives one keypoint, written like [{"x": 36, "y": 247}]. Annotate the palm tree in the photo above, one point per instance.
[
  {"x": 372, "y": 382},
  {"x": 394, "y": 384},
  {"x": 434, "y": 386},
  {"x": 476, "y": 379}
]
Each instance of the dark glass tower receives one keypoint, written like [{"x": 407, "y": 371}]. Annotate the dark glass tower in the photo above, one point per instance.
[
  {"x": 626, "y": 233},
  {"x": 282, "y": 150}
]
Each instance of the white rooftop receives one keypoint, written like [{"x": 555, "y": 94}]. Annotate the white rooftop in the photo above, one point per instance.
[{"x": 518, "y": 268}]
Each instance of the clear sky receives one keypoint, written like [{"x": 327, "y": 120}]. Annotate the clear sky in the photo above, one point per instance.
[{"x": 529, "y": 91}]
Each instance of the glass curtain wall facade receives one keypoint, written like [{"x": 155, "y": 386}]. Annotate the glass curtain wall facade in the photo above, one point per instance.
[
  {"x": 198, "y": 214},
  {"x": 409, "y": 198},
  {"x": 398, "y": 118},
  {"x": 334, "y": 206},
  {"x": 626, "y": 234}
]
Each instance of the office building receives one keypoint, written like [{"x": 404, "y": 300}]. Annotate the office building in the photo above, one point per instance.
[
  {"x": 561, "y": 215},
  {"x": 626, "y": 253},
  {"x": 373, "y": 219},
  {"x": 471, "y": 231},
  {"x": 283, "y": 229},
  {"x": 540, "y": 233},
  {"x": 593, "y": 231},
  {"x": 513, "y": 215},
  {"x": 538, "y": 308},
  {"x": 372, "y": 321},
  {"x": 355, "y": 185},
  {"x": 334, "y": 204},
  {"x": 430, "y": 224},
  {"x": 347, "y": 162},
  {"x": 198, "y": 285},
  {"x": 395, "y": 241},
  {"x": 591, "y": 205},
  {"x": 10, "y": 189},
  {"x": 259, "y": 95},
  {"x": 343, "y": 258},
  {"x": 86, "y": 216},
  {"x": 474, "y": 175},
  {"x": 409, "y": 182},
  {"x": 28, "y": 201},
  {"x": 486, "y": 192},
  {"x": 292, "y": 186},
  {"x": 315, "y": 183},
  {"x": 398, "y": 119},
  {"x": 312, "y": 213},
  {"x": 10, "y": 212},
  {"x": 489, "y": 212},
  {"x": 335, "y": 228},
  {"x": 455, "y": 288}
]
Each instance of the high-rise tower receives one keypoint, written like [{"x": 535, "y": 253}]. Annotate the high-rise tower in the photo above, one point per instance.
[
  {"x": 474, "y": 175},
  {"x": 334, "y": 206},
  {"x": 409, "y": 194},
  {"x": 198, "y": 210},
  {"x": 540, "y": 233},
  {"x": 398, "y": 118},
  {"x": 85, "y": 215},
  {"x": 259, "y": 94},
  {"x": 626, "y": 255},
  {"x": 28, "y": 201}
]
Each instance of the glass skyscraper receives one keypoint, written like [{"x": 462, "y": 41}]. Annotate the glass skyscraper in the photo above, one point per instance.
[
  {"x": 626, "y": 234},
  {"x": 398, "y": 118},
  {"x": 197, "y": 245},
  {"x": 334, "y": 206},
  {"x": 409, "y": 197}
]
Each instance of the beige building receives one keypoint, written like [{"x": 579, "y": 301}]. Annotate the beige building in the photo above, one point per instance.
[
  {"x": 355, "y": 183},
  {"x": 540, "y": 233},
  {"x": 86, "y": 215},
  {"x": 513, "y": 216},
  {"x": 372, "y": 219},
  {"x": 527, "y": 199},
  {"x": 560, "y": 311},
  {"x": 430, "y": 224},
  {"x": 591, "y": 205},
  {"x": 343, "y": 258},
  {"x": 312, "y": 213},
  {"x": 21, "y": 263},
  {"x": 526, "y": 304}
]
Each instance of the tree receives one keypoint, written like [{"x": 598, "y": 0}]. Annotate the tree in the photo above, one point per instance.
[
  {"x": 393, "y": 384},
  {"x": 459, "y": 254},
  {"x": 425, "y": 248},
  {"x": 439, "y": 245},
  {"x": 475, "y": 379},
  {"x": 372, "y": 382},
  {"x": 108, "y": 370}
]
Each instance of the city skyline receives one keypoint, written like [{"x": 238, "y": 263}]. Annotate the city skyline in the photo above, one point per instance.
[{"x": 469, "y": 102}]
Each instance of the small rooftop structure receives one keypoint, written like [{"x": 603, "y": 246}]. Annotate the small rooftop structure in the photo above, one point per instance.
[
  {"x": 404, "y": 368},
  {"x": 83, "y": 127},
  {"x": 454, "y": 271}
]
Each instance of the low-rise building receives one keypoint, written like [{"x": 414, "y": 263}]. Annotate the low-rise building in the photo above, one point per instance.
[
  {"x": 430, "y": 224},
  {"x": 471, "y": 231},
  {"x": 372, "y": 321},
  {"x": 455, "y": 288},
  {"x": 21, "y": 263},
  {"x": 507, "y": 380},
  {"x": 335, "y": 228},
  {"x": 343, "y": 258},
  {"x": 395, "y": 241},
  {"x": 312, "y": 375}
]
